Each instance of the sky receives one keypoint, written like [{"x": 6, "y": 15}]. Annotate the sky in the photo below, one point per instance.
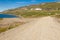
[{"x": 11, "y": 4}]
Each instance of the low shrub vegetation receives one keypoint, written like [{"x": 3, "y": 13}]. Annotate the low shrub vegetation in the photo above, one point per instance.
[
  {"x": 1, "y": 18},
  {"x": 57, "y": 16},
  {"x": 10, "y": 27},
  {"x": 3, "y": 29}
]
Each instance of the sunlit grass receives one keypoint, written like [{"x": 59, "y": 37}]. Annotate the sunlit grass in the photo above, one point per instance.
[
  {"x": 10, "y": 27},
  {"x": 3, "y": 29}
]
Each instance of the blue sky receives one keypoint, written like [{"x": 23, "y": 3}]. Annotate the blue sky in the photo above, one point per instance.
[{"x": 9, "y": 4}]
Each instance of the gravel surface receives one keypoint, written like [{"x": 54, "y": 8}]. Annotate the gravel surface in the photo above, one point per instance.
[{"x": 45, "y": 28}]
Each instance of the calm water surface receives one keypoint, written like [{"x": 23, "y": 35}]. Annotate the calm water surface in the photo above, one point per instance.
[{"x": 7, "y": 16}]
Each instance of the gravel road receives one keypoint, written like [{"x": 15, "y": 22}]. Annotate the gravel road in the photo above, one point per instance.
[{"x": 45, "y": 28}]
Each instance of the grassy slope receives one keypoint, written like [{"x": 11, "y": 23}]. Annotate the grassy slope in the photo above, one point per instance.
[{"x": 29, "y": 13}]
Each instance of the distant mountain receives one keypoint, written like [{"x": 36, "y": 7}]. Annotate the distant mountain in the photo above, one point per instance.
[{"x": 36, "y": 10}]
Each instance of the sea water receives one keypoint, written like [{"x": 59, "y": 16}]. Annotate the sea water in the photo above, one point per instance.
[{"x": 7, "y": 16}]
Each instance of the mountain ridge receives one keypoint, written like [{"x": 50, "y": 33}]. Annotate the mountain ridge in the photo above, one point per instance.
[{"x": 53, "y": 7}]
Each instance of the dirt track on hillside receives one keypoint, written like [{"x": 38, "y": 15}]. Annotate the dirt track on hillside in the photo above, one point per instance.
[{"x": 46, "y": 28}]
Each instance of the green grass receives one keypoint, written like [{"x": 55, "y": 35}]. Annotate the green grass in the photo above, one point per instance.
[
  {"x": 3, "y": 29},
  {"x": 39, "y": 13},
  {"x": 10, "y": 27},
  {"x": 15, "y": 25},
  {"x": 34, "y": 13}
]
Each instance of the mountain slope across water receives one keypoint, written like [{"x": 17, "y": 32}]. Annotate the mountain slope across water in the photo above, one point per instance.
[{"x": 43, "y": 9}]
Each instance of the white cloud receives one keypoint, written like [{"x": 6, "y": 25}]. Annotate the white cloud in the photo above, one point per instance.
[
  {"x": 33, "y": 0},
  {"x": 21, "y": 2},
  {"x": 25, "y": 2}
]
